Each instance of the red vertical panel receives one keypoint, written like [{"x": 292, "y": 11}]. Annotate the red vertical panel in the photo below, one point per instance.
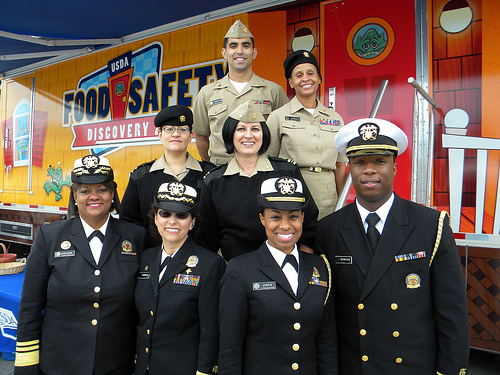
[
  {"x": 356, "y": 91},
  {"x": 471, "y": 72},
  {"x": 7, "y": 143},
  {"x": 345, "y": 72},
  {"x": 39, "y": 127},
  {"x": 449, "y": 74}
]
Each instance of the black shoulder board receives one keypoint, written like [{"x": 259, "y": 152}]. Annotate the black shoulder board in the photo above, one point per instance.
[
  {"x": 207, "y": 166},
  {"x": 216, "y": 172},
  {"x": 283, "y": 163},
  {"x": 141, "y": 170}
]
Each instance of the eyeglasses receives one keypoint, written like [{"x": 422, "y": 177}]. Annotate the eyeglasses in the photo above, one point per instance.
[
  {"x": 172, "y": 129},
  {"x": 177, "y": 215}
]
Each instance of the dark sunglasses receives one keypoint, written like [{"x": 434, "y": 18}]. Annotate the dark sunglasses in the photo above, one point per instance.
[{"x": 177, "y": 215}]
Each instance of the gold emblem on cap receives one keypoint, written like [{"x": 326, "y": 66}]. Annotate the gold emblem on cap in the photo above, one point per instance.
[
  {"x": 412, "y": 281},
  {"x": 306, "y": 54},
  {"x": 182, "y": 118},
  {"x": 245, "y": 30},
  {"x": 90, "y": 161},
  {"x": 254, "y": 116},
  {"x": 176, "y": 188},
  {"x": 286, "y": 186},
  {"x": 192, "y": 261},
  {"x": 65, "y": 245},
  {"x": 368, "y": 132}
]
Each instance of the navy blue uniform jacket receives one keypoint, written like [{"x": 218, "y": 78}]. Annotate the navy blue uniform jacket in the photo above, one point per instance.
[
  {"x": 268, "y": 330},
  {"x": 396, "y": 317},
  {"x": 178, "y": 331},
  {"x": 81, "y": 312}
]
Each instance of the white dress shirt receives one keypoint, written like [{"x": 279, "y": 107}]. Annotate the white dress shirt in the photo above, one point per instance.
[{"x": 289, "y": 271}]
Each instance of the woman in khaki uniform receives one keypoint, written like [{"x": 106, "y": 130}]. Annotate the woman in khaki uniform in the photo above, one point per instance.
[{"x": 304, "y": 130}]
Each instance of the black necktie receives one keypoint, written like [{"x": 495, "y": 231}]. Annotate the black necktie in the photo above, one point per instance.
[
  {"x": 372, "y": 232},
  {"x": 292, "y": 260},
  {"x": 163, "y": 264},
  {"x": 98, "y": 234}
]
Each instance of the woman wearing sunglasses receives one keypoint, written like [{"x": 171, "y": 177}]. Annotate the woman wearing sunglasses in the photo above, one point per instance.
[{"x": 177, "y": 292}]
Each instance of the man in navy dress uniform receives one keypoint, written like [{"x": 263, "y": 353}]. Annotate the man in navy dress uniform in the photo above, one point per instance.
[{"x": 399, "y": 290}]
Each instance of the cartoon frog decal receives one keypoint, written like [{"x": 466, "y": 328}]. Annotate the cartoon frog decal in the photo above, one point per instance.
[
  {"x": 370, "y": 45},
  {"x": 56, "y": 182}
]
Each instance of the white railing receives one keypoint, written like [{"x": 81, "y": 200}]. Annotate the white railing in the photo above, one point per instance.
[{"x": 456, "y": 141}]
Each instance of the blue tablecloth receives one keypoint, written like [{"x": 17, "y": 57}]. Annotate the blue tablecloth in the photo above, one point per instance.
[{"x": 10, "y": 295}]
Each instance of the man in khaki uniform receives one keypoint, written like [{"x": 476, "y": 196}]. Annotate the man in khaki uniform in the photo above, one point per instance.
[{"x": 217, "y": 100}]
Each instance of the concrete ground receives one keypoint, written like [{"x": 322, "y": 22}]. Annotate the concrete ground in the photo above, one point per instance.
[{"x": 481, "y": 363}]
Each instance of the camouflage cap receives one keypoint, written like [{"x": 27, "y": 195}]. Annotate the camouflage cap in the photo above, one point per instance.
[
  {"x": 238, "y": 30},
  {"x": 247, "y": 112}
]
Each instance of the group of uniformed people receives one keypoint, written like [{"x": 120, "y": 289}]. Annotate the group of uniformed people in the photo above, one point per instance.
[{"x": 383, "y": 293}]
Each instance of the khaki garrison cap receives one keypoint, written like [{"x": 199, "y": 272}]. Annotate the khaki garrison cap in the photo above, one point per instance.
[
  {"x": 238, "y": 30},
  {"x": 247, "y": 112}
]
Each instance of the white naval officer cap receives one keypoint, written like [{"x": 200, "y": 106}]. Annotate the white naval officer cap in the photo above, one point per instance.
[
  {"x": 371, "y": 136},
  {"x": 282, "y": 193},
  {"x": 176, "y": 197},
  {"x": 91, "y": 169}
]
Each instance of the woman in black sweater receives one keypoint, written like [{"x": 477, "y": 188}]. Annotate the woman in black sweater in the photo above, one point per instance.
[
  {"x": 174, "y": 124},
  {"x": 228, "y": 204}
]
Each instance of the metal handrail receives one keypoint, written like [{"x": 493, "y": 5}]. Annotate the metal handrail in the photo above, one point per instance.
[
  {"x": 422, "y": 92},
  {"x": 422, "y": 167}
]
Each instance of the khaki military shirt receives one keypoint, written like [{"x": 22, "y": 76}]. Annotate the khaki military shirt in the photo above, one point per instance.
[
  {"x": 191, "y": 163},
  {"x": 307, "y": 139},
  {"x": 217, "y": 100},
  {"x": 263, "y": 165}
]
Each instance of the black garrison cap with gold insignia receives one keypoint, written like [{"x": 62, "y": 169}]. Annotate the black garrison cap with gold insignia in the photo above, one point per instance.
[
  {"x": 297, "y": 58},
  {"x": 175, "y": 115},
  {"x": 247, "y": 112},
  {"x": 282, "y": 193},
  {"x": 371, "y": 136},
  {"x": 91, "y": 169},
  {"x": 238, "y": 30},
  {"x": 176, "y": 197}
]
